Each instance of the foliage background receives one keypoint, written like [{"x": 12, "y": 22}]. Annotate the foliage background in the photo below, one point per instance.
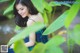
[{"x": 48, "y": 11}]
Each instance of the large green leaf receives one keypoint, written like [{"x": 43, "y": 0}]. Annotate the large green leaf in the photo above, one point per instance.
[
  {"x": 58, "y": 23},
  {"x": 55, "y": 41},
  {"x": 35, "y": 27},
  {"x": 38, "y": 4},
  {"x": 19, "y": 47},
  {"x": 72, "y": 13}
]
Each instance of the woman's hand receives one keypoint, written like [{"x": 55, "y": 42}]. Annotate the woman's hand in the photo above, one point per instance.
[
  {"x": 12, "y": 46},
  {"x": 28, "y": 44}
]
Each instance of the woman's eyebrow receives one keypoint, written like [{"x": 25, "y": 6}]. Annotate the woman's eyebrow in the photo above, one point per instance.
[{"x": 20, "y": 8}]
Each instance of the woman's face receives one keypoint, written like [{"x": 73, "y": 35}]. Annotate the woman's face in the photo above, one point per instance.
[{"x": 22, "y": 10}]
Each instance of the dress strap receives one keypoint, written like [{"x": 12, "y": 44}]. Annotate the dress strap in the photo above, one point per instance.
[{"x": 32, "y": 20}]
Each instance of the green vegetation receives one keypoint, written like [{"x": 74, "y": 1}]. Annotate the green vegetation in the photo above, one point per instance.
[{"x": 53, "y": 45}]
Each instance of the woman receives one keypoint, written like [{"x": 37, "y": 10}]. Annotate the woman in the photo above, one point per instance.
[{"x": 26, "y": 14}]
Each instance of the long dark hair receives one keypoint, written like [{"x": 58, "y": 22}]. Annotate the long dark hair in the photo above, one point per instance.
[{"x": 32, "y": 10}]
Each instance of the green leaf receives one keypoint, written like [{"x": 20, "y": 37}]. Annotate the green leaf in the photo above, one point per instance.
[
  {"x": 10, "y": 15},
  {"x": 47, "y": 7},
  {"x": 52, "y": 46},
  {"x": 19, "y": 47},
  {"x": 39, "y": 5},
  {"x": 55, "y": 41},
  {"x": 39, "y": 48},
  {"x": 77, "y": 34},
  {"x": 58, "y": 23},
  {"x": 9, "y": 9},
  {"x": 17, "y": 28},
  {"x": 3, "y": 0},
  {"x": 35, "y": 27},
  {"x": 54, "y": 49},
  {"x": 71, "y": 15},
  {"x": 45, "y": 17}
]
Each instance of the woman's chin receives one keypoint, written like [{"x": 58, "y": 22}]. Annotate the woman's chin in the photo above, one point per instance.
[{"x": 23, "y": 16}]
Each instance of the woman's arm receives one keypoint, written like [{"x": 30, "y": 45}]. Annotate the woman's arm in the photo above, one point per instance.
[
  {"x": 31, "y": 40},
  {"x": 32, "y": 36}
]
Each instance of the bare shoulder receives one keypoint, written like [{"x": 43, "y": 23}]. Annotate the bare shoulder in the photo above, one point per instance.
[
  {"x": 30, "y": 22},
  {"x": 39, "y": 18},
  {"x": 35, "y": 18}
]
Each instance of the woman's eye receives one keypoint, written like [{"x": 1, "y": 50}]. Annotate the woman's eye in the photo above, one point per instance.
[{"x": 22, "y": 9}]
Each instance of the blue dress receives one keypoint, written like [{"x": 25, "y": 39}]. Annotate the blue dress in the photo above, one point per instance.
[{"x": 39, "y": 38}]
